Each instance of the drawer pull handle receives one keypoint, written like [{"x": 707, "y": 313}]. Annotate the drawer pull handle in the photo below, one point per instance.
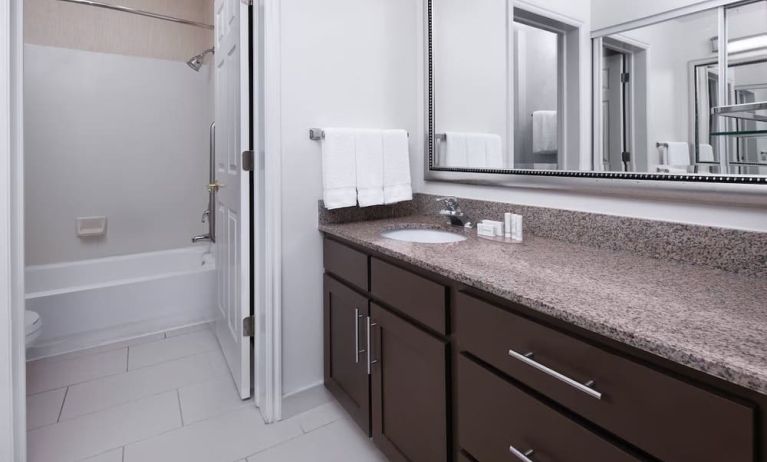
[
  {"x": 584, "y": 387},
  {"x": 370, "y": 360},
  {"x": 523, "y": 456}
]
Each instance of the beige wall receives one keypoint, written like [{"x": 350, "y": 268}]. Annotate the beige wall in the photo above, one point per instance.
[{"x": 66, "y": 25}]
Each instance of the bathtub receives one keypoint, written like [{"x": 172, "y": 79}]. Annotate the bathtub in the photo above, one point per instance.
[{"x": 94, "y": 302}]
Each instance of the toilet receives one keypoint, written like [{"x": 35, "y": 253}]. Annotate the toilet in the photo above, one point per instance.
[{"x": 32, "y": 327}]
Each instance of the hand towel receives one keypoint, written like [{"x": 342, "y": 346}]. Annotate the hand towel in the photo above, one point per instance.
[
  {"x": 476, "y": 150},
  {"x": 705, "y": 153},
  {"x": 339, "y": 176},
  {"x": 545, "y": 132},
  {"x": 455, "y": 156},
  {"x": 493, "y": 151},
  {"x": 370, "y": 167},
  {"x": 396, "y": 161},
  {"x": 677, "y": 153}
]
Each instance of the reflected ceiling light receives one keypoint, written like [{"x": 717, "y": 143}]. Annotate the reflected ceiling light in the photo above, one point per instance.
[{"x": 743, "y": 44}]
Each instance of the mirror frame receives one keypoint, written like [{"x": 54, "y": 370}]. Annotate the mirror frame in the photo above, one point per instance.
[{"x": 644, "y": 183}]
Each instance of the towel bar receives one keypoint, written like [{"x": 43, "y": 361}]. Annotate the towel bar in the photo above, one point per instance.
[{"x": 317, "y": 134}]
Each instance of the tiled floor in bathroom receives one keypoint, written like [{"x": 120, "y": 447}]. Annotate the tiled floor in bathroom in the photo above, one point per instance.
[{"x": 170, "y": 398}]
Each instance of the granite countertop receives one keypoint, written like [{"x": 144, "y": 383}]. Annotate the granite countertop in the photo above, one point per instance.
[{"x": 700, "y": 317}]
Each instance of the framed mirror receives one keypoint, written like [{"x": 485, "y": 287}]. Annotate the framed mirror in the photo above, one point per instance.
[{"x": 505, "y": 95}]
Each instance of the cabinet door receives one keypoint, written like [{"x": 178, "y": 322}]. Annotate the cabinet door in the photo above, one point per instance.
[
  {"x": 408, "y": 387},
  {"x": 346, "y": 373}
]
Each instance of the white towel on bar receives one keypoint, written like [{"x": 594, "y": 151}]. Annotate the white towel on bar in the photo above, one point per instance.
[
  {"x": 455, "y": 151},
  {"x": 339, "y": 175},
  {"x": 396, "y": 161},
  {"x": 370, "y": 167},
  {"x": 545, "y": 132},
  {"x": 705, "y": 153},
  {"x": 677, "y": 153},
  {"x": 473, "y": 150}
]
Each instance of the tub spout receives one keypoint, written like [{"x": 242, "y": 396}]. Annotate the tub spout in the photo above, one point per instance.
[{"x": 200, "y": 238}]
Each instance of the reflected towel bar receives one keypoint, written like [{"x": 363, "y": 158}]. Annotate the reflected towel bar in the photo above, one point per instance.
[{"x": 317, "y": 134}]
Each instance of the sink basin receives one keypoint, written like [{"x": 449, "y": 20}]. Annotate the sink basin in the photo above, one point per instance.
[{"x": 423, "y": 236}]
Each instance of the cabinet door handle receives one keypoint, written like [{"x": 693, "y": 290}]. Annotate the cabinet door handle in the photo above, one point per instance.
[
  {"x": 523, "y": 456},
  {"x": 584, "y": 387},
  {"x": 368, "y": 349},
  {"x": 357, "y": 351}
]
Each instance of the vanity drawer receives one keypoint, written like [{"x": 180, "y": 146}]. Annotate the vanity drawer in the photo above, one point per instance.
[
  {"x": 346, "y": 263},
  {"x": 496, "y": 418},
  {"x": 413, "y": 295},
  {"x": 673, "y": 420}
]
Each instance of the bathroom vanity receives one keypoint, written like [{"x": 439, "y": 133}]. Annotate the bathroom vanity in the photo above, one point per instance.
[{"x": 544, "y": 351}]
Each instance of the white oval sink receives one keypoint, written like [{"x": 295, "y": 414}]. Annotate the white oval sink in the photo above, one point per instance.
[{"x": 423, "y": 236}]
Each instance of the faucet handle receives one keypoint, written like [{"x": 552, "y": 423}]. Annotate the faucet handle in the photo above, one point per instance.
[{"x": 450, "y": 202}]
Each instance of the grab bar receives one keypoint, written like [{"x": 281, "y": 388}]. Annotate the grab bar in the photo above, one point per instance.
[{"x": 210, "y": 213}]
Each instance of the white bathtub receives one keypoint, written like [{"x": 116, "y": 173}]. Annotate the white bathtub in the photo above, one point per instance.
[{"x": 94, "y": 302}]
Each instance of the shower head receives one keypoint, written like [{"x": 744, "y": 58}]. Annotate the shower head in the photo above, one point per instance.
[{"x": 196, "y": 61}]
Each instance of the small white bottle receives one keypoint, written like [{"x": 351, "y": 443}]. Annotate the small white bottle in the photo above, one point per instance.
[{"x": 518, "y": 233}]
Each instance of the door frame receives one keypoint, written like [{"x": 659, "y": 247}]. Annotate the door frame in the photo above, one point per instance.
[
  {"x": 637, "y": 55},
  {"x": 12, "y": 349},
  {"x": 267, "y": 303}
]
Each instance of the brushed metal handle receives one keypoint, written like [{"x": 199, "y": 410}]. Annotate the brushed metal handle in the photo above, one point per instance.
[
  {"x": 523, "y": 456},
  {"x": 584, "y": 387},
  {"x": 370, "y": 361},
  {"x": 357, "y": 351}
]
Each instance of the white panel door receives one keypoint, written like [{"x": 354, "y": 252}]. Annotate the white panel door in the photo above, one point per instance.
[{"x": 232, "y": 117}]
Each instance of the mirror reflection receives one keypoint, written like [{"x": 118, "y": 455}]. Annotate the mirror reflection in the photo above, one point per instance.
[{"x": 504, "y": 83}]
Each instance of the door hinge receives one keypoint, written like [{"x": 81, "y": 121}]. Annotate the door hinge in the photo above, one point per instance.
[
  {"x": 626, "y": 156},
  {"x": 247, "y": 161},
  {"x": 625, "y": 77},
  {"x": 247, "y": 2},
  {"x": 249, "y": 327}
]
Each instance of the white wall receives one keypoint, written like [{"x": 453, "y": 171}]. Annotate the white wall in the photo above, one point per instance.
[
  {"x": 344, "y": 63},
  {"x": 470, "y": 53},
  {"x": 606, "y": 13},
  {"x": 120, "y": 136}
]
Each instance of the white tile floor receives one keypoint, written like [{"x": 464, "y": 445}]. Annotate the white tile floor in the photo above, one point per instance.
[{"x": 171, "y": 398}]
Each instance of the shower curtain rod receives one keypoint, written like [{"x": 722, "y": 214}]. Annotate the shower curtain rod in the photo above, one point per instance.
[{"x": 149, "y": 14}]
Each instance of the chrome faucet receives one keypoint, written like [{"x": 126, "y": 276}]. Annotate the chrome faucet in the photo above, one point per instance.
[{"x": 454, "y": 213}]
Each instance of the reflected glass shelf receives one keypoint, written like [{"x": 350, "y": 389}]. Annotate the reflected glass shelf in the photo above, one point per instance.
[{"x": 741, "y": 133}]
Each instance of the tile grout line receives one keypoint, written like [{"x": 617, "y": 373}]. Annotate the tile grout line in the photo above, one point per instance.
[
  {"x": 63, "y": 401},
  {"x": 122, "y": 455}
]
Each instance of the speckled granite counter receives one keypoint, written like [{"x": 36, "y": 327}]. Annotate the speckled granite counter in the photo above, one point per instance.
[{"x": 700, "y": 317}]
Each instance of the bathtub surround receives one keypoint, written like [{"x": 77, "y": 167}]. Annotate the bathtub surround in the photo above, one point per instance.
[
  {"x": 735, "y": 251},
  {"x": 96, "y": 302},
  {"x": 117, "y": 136}
]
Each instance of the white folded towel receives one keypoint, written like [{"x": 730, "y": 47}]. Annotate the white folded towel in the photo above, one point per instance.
[
  {"x": 476, "y": 150},
  {"x": 473, "y": 150},
  {"x": 370, "y": 167},
  {"x": 396, "y": 167},
  {"x": 339, "y": 175},
  {"x": 545, "y": 132},
  {"x": 677, "y": 153},
  {"x": 705, "y": 153},
  {"x": 493, "y": 151},
  {"x": 456, "y": 151}
]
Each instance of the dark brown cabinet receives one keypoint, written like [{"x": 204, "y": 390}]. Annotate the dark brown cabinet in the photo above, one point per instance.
[
  {"x": 435, "y": 371},
  {"x": 498, "y": 422},
  {"x": 346, "y": 374},
  {"x": 409, "y": 397}
]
